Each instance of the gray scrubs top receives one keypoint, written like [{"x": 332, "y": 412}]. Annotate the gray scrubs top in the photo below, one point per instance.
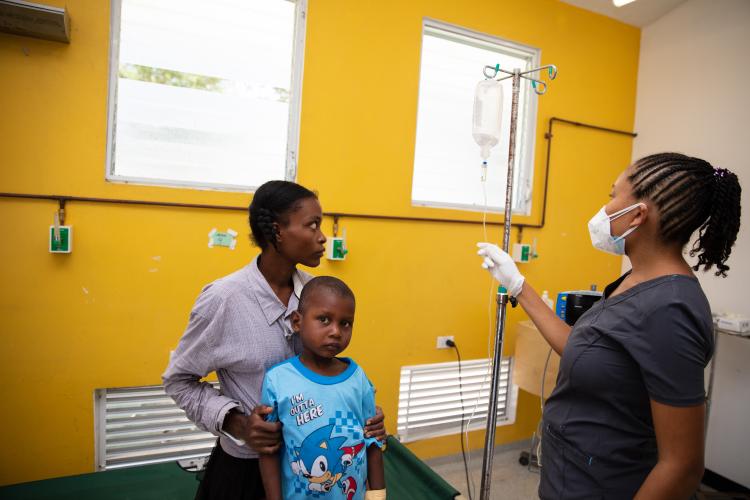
[{"x": 651, "y": 342}]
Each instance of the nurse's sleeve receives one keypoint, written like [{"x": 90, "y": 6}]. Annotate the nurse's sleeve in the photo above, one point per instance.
[{"x": 672, "y": 352}]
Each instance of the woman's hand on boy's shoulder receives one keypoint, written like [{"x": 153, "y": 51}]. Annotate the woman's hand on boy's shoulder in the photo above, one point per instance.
[
  {"x": 375, "y": 426},
  {"x": 264, "y": 437}
]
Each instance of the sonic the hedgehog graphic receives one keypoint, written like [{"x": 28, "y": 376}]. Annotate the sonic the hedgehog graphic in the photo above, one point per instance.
[{"x": 322, "y": 459}]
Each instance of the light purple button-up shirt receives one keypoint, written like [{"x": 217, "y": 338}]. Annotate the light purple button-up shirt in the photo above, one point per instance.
[{"x": 238, "y": 328}]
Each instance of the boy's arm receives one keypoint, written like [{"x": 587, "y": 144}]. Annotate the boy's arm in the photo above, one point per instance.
[
  {"x": 375, "y": 466},
  {"x": 270, "y": 463},
  {"x": 375, "y": 472},
  {"x": 270, "y": 470}
]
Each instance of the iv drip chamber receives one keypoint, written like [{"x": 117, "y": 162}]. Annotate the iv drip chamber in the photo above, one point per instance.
[{"x": 488, "y": 107}]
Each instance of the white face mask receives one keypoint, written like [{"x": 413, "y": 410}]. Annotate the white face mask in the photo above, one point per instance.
[{"x": 600, "y": 231}]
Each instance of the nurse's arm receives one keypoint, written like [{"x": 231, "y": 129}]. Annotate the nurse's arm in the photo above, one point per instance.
[
  {"x": 554, "y": 330},
  {"x": 679, "y": 437}
]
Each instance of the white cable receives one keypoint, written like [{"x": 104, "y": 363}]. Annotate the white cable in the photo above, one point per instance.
[{"x": 487, "y": 376}]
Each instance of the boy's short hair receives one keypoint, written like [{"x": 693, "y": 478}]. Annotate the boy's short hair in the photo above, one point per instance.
[{"x": 329, "y": 283}]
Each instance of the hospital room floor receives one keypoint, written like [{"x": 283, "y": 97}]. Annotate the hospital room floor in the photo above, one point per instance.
[
  {"x": 513, "y": 481},
  {"x": 510, "y": 480}
]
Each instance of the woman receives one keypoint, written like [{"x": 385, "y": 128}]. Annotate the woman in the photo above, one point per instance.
[
  {"x": 626, "y": 418},
  {"x": 240, "y": 327}
]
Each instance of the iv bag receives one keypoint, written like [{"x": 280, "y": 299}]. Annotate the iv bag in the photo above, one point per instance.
[{"x": 488, "y": 105}]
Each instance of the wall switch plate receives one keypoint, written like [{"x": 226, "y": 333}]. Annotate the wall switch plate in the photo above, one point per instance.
[
  {"x": 336, "y": 248},
  {"x": 522, "y": 252},
  {"x": 65, "y": 243},
  {"x": 441, "y": 341}
]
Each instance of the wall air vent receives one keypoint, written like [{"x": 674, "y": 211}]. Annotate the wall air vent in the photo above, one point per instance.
[
  {"x": 142, "y": 425},
  {"x": 34, "y": 20}
]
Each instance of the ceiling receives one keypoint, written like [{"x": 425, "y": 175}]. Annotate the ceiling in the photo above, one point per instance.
[{"x": 639, "y": 13}]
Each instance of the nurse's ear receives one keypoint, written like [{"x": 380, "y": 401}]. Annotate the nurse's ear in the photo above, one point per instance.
[{"x": 642, "y": 215}]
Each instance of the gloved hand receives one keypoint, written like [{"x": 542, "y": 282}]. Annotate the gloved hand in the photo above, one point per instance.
[{"x": 501, "y": 267}]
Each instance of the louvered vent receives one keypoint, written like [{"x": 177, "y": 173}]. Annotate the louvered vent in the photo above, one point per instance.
[
  {"x": 430, "y": 404},
  {"x": 142, "y": 425}
]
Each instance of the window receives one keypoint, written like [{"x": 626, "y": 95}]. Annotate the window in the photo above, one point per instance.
[
  {"x": 429, "y": 402},
  {"x": 446, "y": 162},
  {"x": 204, "y": 94},
  {"x": 142, "y": 425}
]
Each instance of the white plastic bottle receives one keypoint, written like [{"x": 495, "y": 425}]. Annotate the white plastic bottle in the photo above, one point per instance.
[
  {"x": 488, "y": 107},
  {"x": 547, "y": 300}
]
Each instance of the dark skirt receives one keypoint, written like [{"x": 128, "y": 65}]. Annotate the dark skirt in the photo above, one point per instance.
[{"x": 230, "y": 478}]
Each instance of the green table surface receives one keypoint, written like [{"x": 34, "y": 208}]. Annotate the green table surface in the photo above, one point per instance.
[
  {"x": 165, "y": 481},
  {"x": 407, "y": 478}
]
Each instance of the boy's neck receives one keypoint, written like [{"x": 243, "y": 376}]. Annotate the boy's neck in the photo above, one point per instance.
[{"x": 329, "y": 367}]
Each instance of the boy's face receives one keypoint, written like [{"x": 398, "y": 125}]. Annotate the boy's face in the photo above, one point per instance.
[{"x": 325, "y": 325}]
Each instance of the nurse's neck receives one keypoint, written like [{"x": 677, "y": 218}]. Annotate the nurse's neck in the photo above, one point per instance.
[
  {"x": 651, "y": 259},
  {"x": 278, "y": 272}
]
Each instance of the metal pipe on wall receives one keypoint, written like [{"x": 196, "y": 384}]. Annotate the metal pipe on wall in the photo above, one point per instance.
[{"x": 63, "y": 199}]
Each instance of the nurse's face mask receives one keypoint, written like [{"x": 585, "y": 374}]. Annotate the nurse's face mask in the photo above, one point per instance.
[{"x": 600, "y": 231}]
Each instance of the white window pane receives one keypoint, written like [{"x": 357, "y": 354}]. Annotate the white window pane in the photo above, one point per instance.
[
  {"x": 447, "y": 162},
  {"x": 239, "y": 40},
  {"x": 203, "y": 91}
]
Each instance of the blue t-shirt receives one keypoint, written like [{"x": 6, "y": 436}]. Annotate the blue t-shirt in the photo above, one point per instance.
[{"x": 324, "y": 454}]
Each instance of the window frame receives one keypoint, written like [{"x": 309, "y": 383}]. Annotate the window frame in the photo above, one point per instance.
[
  {"x": 293, "y": 123},
  {"x": 523, "y": 182}
]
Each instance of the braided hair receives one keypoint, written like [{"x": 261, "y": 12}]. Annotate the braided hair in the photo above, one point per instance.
[
  {"x": 691, "y": 195},
  {"x": 272, "y": 203}
]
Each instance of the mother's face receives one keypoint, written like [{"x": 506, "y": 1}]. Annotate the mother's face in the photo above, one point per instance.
[{"x": 301, "y": 240}]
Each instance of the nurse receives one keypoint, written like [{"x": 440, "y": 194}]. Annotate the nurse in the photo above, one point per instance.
[
  {"x": 239, "y": 327},
  {"x": 626, "y": 418}
]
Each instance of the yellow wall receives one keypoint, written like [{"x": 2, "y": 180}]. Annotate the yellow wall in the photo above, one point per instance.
[{"x": 108, "y": 314}]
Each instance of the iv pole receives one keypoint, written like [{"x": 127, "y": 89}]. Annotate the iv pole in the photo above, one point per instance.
[{"x": 502, "y": 294}]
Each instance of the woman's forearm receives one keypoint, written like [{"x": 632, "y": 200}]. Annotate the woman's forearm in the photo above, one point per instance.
[
  {"x": 554, "y": 330},
  {"x": 670, "y": 481}
]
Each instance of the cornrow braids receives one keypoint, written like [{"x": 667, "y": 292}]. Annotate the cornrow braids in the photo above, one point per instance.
[
  {"x": 691, "y": 195},
  {"x": 266, "y": 219},
  {"x": 272, "y": 203}
]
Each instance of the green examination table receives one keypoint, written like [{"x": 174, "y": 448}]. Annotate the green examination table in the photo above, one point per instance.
[{"x": 407, "y": 478}]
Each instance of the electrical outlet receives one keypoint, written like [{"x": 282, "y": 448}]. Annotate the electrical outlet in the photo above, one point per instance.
[{"x": 442, "y": 342}]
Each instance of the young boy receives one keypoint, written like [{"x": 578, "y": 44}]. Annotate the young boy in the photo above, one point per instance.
[{"x": 323, "y": 403}]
